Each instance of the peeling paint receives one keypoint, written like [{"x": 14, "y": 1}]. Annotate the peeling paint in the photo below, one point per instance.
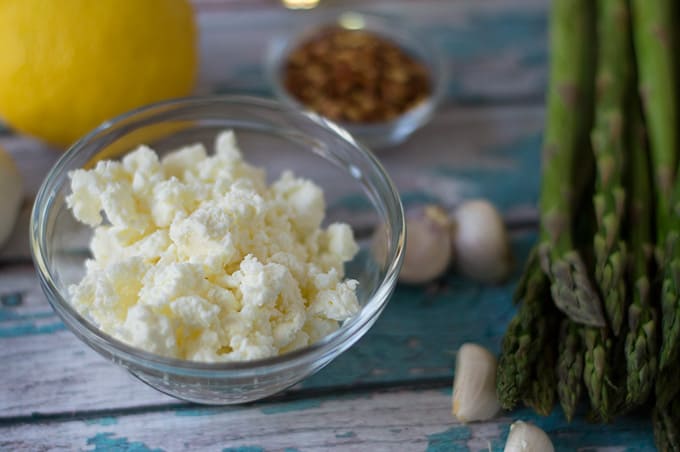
[
  {"x": 11, "y": 299},
  {"x": 107, "y": 441},
  {"x": 450, "y": 439},
  {"x": 346, "y": 435},
  {"x": 31, "y": 328},
  {"x": 102, "y": 421},
  {"x": 244, "y": 449},
  {"x": 625, "y": 434},
  {"x": 504, "y": 186},
  {"x": 441, "y": 321}
]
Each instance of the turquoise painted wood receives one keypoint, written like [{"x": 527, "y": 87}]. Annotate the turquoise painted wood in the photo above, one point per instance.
[
  {"x": 354, "y": 420},
  {"x": 391, "y": 391},
  {"x": 419, "y": 332},
  {"x": 493, "y": 51},
  {"x": 415, "y": 338}
]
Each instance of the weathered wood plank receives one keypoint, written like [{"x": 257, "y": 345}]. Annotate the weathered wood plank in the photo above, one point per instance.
[
  {"x": 50, "y": 371},
  {"x": 33, "y": 158},
  {"x": 493, "y": 50},
  {"x": 464, "y": 152},
  {"x": 446, "y": 173},
  {"x": 378, "y": 421}
]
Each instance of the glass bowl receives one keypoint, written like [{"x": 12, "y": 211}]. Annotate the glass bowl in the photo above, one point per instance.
[
  {"x": 376, "y": 135},
  {"x": 357, "y": 188}
]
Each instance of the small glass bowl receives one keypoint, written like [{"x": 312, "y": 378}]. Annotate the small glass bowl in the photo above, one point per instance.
[
  {"x": 376, "y": 135},
  {"x": 270, "y": 136}
]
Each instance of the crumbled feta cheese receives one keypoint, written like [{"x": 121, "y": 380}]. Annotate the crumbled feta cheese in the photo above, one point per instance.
[{"x": 195, "y": 257}]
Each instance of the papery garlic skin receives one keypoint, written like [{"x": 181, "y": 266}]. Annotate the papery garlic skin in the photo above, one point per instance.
[
  {"x": 480, "y": 242},
  {"x": 474, "y": 386},
  {"x": 428, "y": 245},
  {"x": 525, "y": 437}
]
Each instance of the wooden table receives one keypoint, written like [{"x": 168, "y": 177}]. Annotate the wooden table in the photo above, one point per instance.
[{"x": 391, "y": 391}]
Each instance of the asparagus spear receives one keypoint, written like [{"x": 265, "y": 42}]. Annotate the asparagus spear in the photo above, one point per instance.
[
  {"x": 641, "y": 340},
  {"x": 613, "y": 83},
  {"x": 524, "y": 336},
  {"x": 653, "y": 25},
  {"x": 667, "y": 385},
  {"x": 670, "y": 290},
  {"x": 531, "y": 279},
  {"x": 597, "y": 372},
  {"x": 566, "y": 158},
  {"x": 655, "y": 47},
  {"x": 540, "y": 394},
  {"x": 569, "y": 367},
  {"x": 666, "y": 421}
]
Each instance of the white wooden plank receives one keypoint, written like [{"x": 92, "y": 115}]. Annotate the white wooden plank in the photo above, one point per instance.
[
  {"x": 49, "y": 371},
  {"x": 46, "y": 369},
  {"x": 404, "y": 420},
  {"x": 493, "y": 49},
  {"x": 490, "y": 49},
  {"x": 58, "y": 373},
  {"x": 463, "y": 138},
  {"x": 23, "y": 302},
  {"x": 470, "y": 139},
  {"x": 33, "y": 158},
  {"x": 33, "y": 341},
  {"x": 458, "y": 136}
]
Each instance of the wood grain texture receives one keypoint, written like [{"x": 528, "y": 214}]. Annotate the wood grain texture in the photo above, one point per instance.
[
  {"x": 493, "y": 51},
  {"x": 376, "y": 421},
  {"x": 465, "y": 152},
  {"x": 50, "y": 371},
  {"x": 57, "y": 394}
]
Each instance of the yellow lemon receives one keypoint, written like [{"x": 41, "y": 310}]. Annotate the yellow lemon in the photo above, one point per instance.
[{"x": 68, "y": 65}]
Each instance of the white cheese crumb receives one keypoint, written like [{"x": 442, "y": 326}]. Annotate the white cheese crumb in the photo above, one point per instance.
[{"x": 196, "y": 258}]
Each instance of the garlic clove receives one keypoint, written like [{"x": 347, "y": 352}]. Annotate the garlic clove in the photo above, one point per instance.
[
  {"x": 474, "y": 385},
  {"x": 428, "y": 245},
  {"x": 480, "y": 242},
  {"x": 525, "y": 437},
  {"x": 10, "y": 195}
]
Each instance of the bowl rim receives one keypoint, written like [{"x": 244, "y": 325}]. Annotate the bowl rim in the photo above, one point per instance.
[
  {"x": 397, "y": 30},
  {"x": 324, "y": 347}
]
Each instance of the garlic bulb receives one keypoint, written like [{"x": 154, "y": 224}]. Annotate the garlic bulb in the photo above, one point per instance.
[
  {"x": 525, "y": 437},
  {"x": 474, "y": 385},
  {"x": 480, "y": 242},
  {"x": 428, "y": 245},
  {"x": 10, "y": 195}
]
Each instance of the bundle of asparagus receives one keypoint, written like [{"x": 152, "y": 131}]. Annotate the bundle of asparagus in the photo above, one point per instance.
[{"x": 612, "y": 150}]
